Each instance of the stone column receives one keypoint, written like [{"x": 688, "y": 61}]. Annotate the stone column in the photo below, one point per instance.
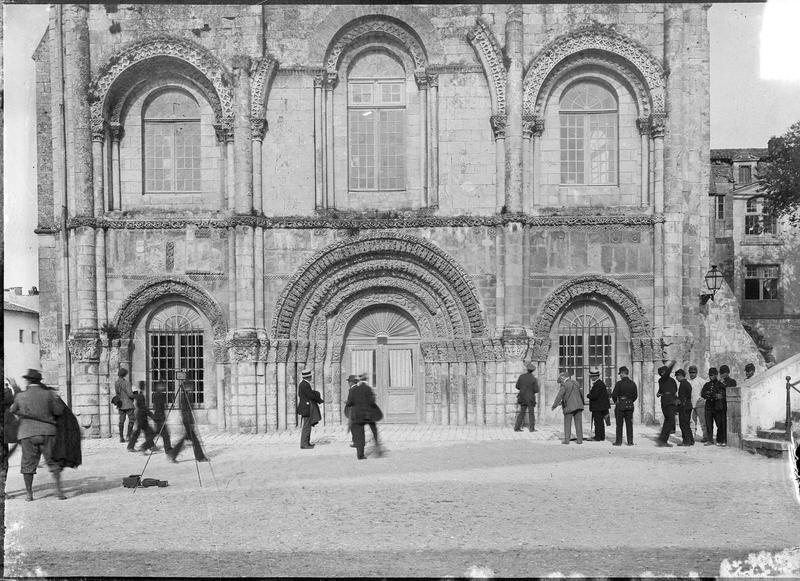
[
  {"x": 117, "y": 133},
  {"x": 528, "y": 179},
  {"x": 644, "y": 131},
  {"x": 319, "y": 142},
  {"x": 258, "y": 128},
  {"x": 499, "y": 130},
  {"x": 220, "y": 387},
  {"x": 243, "y": 147},
  {"x": 513, "y": 142},
  {"x": 433, "y": 124},
  {"x": 330, "y": 186},
  {"x": 97, "y": 170},
  {"x": 422, "y": 85},
  {"x": 657, "y": 132}
]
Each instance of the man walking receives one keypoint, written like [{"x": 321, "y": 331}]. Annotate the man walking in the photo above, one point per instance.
[
  {"x": 570, "y": 398},
  {"x": 624, "y": 396},
  {"x": 189, "y": 431},
  {"x": 141, "y": 413},
  {"x": 308, "y": 408},
  {"x": 364, "y": 410},
  {"x": 699, "y": 412},
  {"x": 122, "y": 387},
  {"x": 348, "y": 411},
  {"x": 668, "y": 392},
  {"x": 160, "y": 413},
  {"x": 37, "y": 408},
  {"x": 528, "y": 387},
  {"x": 709, "y": 394},
  {"x": 599, "y": 404},
  {"x": 721, "y": 405},
  {"x": 684, "y": 408}
]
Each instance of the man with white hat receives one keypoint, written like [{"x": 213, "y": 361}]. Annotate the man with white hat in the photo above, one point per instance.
[
  {"x": 308, "y": 408},
  {"x": 599, "y": 404}
]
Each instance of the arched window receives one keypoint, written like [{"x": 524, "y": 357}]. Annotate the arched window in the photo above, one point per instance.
[
  {"x": 587, "y": 337},
  {"x": 171, "y": 143},
  {"x": 588, "y": 114},
  {"x": 376, "y": 131}
]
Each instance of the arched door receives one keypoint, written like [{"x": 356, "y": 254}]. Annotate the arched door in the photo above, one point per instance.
[
  {"x": 383, "y": 342},
  {"x": 587, "y": 337}
]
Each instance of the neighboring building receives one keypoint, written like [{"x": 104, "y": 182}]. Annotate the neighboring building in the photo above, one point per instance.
[
  {"x": 758, "y": 254},
  {"x": 431, "y": 194},
  {"x": 20, "y": 333}
]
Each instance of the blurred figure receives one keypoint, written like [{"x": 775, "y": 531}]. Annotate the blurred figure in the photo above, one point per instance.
[
  {"x": 699, "y": 411},
  {"x": 308, "y": 409},
  {"x": 141, "y": 414},
  {"x": 668, "y": 392},
  {"x": 528, "y": 387},
  {"x": 9, "y": 432},
  {"x": 599, "y": 404},
  {"x": 624, "y": 396},
  {"x": 189, "y": 430},
  {"x": 160, "y": 413},
  {"x": 351, "y": 381},
  {"x": 684, "y": 408},
  {"x": 37, "y": 408},
  {"x": 709, "y": 394},
  {"x": 721, "y": 405},
  {"x": 570, "y": 398},
  {"x": 122, "y": 387},
  {"x": 749, "y": 370},
  {"x": 364, "y": 410}
]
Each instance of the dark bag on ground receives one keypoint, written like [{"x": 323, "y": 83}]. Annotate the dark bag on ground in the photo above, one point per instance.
[{"x": 67, "y": 448}]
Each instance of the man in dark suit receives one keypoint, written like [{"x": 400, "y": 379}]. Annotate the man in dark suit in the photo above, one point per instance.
[
  {"x": 721, "y": 405},
  {"x": 364, "y": 410},
  {"x": 189, "y": 430},
  {"x": 352, "y": 380},
  {"x": 709, "y": 393},
  {"x": 141, "y": 414},
  {"x": 308, "y": 408},
  {"x": 684, "y": 408},
  {"x": 528, "y": 387},
  {"x": 599, "y": 404},
  {"x": 624, "y": 396},
  {"x": 668, "y": 392}
]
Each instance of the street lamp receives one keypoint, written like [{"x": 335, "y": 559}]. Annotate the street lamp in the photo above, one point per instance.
[{"x": 713, "y": 280}]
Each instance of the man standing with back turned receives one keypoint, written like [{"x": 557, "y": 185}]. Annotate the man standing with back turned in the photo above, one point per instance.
[{"x": 528, "y": 387}]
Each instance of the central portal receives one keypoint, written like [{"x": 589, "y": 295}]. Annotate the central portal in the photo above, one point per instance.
[{"x": 383, "y": 342}]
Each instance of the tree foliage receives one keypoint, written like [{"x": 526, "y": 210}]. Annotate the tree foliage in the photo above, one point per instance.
[{"x": 780, "y": 176}]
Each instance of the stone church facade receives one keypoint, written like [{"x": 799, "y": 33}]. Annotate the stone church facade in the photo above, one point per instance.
[{"x": 430, "y": 194}]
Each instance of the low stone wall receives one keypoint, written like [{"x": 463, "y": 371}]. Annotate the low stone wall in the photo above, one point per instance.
[{"x": 763, "y": 398}]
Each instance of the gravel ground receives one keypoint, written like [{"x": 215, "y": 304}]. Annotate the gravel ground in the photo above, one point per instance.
[{"x": 521, "y": 506}]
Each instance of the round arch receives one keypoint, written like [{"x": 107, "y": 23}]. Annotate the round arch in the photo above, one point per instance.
[
  {"x": 599, "y": 46},
  {"x": 187, "y": 53}
]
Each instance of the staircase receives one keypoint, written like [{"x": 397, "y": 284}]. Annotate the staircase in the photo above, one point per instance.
[{"x": 772, "y": 442}]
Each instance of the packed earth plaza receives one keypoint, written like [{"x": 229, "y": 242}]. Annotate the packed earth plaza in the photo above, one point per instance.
[{"x": 245, "y": 207}]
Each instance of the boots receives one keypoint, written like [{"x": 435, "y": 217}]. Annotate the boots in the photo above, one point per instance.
[
  {"x": 121, "y": 429},
  {"x": 59, "y": 493},
  {"x": 28, "y": 486}
]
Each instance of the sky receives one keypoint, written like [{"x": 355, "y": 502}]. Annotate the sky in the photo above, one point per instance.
[{"x": 755, "y": 94}]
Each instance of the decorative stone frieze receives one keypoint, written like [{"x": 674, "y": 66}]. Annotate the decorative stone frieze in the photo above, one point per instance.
[
  {"x": 489, "y": 53},
  {"x": 85, "y": 345},
  {"x": 498, "y": 123},
  {"x": 599, "y": 39},
  {"x": 243, "y": 345},
  {"x": 540, "y": 347},
  {"x": 220, "y": 347},
  {"x": 515, "y": 342},
  {"x": 160, "y": 46}
]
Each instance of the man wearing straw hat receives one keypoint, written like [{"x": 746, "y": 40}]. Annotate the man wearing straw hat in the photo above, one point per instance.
[
  {"x": 308, "y": 409},
  {"x": 37, "y": 408}
]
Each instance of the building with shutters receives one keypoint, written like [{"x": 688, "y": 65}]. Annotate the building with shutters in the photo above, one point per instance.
[{"x": 431, "y": 194}]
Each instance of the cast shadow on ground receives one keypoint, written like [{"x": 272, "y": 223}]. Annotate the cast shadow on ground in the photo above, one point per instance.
[{"x": 72, "y": 487}]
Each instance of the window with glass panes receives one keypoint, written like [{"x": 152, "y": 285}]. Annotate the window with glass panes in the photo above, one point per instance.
[
  {"x": 376, "y": 134},
  {"x": 589, "y": 137},
  {"x": 175, "y": 344},
  {"x": 720, "y": 207},
  {"x": 171, "y": 143},
  {"x": 586, "y": 339},
  {"x": 745, "y": 174},
  {"x": 756, "y": 222},
  {"x": 761, "y": 282}
]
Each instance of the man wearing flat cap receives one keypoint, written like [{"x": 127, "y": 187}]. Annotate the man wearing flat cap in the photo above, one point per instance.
[
  {"x": 709, "y": 393},
  {"x": 37, "y": 408},
  {"x": 308, "y": 409},
  {"x": 599, "y": 404},
  {"x": 668, "y": 392},
  {"x": 528, "y": 387}
]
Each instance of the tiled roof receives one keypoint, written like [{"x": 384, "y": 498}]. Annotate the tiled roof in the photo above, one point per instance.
[
  {"x": 744, "y": 153},
  {"x": 18, "y": 308}
]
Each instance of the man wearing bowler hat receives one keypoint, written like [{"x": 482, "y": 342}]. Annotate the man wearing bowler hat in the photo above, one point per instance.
[
  {"x": 308, "y": 408},
  {"x": 352, "y": 380},
  {"x": 37, "y": 408},
  {"x": 528, "y": 387}
]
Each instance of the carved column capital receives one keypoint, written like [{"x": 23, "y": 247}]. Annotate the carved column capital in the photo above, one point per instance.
[
  {"x": 117, "y": 132},
  {"x": 99, "y": 132},
  {"x": 532, "y": 126},
  {"x": 258, "y": 128},
  {"x": 515, "y": 342},
  {"x": 243, "y": 344},
  {"x": 643, "y": 125},
  {"x": 657, "y": 125},
  {"x": 433, "y": 80},
  {"x": 331, "y": 80},
  {"x": 85, "y": 345},
  {"x": 498, "y": 126},
  {"x": 422, "y": 80},
  {"x": 319, "y": 81},
  {"x": 224, "y": 130}
]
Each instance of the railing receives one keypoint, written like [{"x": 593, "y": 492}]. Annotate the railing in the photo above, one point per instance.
[{"x": 789, "y": 386}]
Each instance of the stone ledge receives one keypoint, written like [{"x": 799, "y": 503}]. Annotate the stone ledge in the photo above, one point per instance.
[{"x": 756, "y": 443}]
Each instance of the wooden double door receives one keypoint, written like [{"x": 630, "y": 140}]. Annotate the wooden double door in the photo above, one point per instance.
[{"x": 383, "y": 342}]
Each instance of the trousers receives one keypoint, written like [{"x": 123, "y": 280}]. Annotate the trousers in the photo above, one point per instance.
[
  {"x": 684, "y": 421},
  {"x": 122, "y": 415},
  {"x": 305, "y": 432},
  {"x": 710, "y": 422},
  {"x": 599, "y": 419},
  {"x": 721, "y": 419},
  {"x": 669, "y": 422},
  {"x": 523, "y": 407},
  {"x": 627, "y": 417},
  {"x": 142, "y": 425},
  {"x": 575, "y": 417},
  {"x": 359, "y": 438},
  {"x": 189, "y": 433}
]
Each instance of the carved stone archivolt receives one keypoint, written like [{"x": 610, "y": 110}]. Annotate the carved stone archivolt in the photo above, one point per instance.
[
  {"x": 263, "y": 73},
  {"x": 409, "y": 257},
  {"x": 641, "y": 68},
  {"x": 623, "y": 298},
  {"x": 371, "y": 25},
  {"x": 143, "y": 298},
  {"x": 158, "y": 47},
  {"x": 490, "y": 55}
]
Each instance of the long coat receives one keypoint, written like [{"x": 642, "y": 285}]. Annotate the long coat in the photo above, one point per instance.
[
  {"x": 528, "y": 388},
  {"x": 668, "y": 390},
  {"x": 361, "y": 401},
  {"x": 67, "y": 449},
  {"x": 37, "y": 408},
  {"x": 598, "y": 397},
  {"x": 122, "y": 387},
  {"x": 685, "y": 395},
  {"x": 625, "y": 388},
  {"x": 309, "y": 400},
  {"x": 569, "y": 396}
]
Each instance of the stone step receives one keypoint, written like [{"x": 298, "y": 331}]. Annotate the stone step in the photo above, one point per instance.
[
  {"x": 767, "y": 447},
  {"x": 773, "y": 434}
]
